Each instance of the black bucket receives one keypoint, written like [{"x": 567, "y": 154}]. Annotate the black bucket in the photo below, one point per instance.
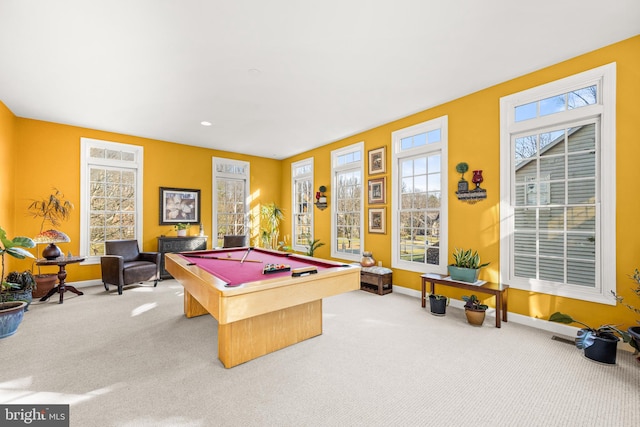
[
  {"x": 438, "y": 305},
  {"x": 603, "y": 349}
]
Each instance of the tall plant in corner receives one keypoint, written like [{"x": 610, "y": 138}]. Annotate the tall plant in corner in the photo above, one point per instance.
[
  {"x": 53, "y": 209},
  {"x": 270, "y": 217}
]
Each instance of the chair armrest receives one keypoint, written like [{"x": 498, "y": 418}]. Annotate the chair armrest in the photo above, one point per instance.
[
  {"x": 153, "y": 257},
  {"x": 112, "y": 268}
]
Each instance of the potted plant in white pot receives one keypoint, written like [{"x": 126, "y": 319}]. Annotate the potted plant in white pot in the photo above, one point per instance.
[
  {"x": 466, "y": 265},
  {"x": 53, "y": 209},
  {"x": 11, "y": 312},
  {"x": 181, "y": 228},
  {"x": 599, "y": 344},
  {"x": 474, "y": 310}
]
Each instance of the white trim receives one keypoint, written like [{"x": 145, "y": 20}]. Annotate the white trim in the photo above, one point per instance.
[
  {"x": 214, "y": 196},
  {"x": 310, "y": 175},
  {"x": 85, "y": 159},
  {"x": 357, "y": 147},
  {"x": 398, "y": 154},
  {"x": 604, "y": 78}
]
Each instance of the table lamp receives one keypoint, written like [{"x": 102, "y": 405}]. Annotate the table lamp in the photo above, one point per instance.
[{"x": 51, "y": 237}]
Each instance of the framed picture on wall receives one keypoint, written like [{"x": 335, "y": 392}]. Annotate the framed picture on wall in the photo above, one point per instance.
[
  {"x": 377, "y": 161},
  {"x": 377, "y": 191},
  {"x": 179, "y": 205},
  {"x": 377, "y": 217}
]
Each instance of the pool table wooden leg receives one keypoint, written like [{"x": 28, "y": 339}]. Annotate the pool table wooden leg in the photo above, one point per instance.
[{"x": 247, "y": 339}]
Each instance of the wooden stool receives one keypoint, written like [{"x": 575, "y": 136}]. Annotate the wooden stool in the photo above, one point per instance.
[{"x": 377, "y": 280}]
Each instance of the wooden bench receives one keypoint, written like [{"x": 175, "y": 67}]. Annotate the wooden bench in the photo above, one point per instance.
[{"x": 377, "y": 280}]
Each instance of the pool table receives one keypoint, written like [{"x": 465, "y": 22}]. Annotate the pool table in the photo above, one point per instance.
[{"x": 258, "y": 313}]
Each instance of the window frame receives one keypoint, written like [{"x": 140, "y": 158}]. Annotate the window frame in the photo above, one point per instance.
[
  {"x": 335, "y": 169},
  {"x": 86, "y": 161},
  {"x": 441, "y": 123},
  {"x": 294, "y": 212},
  {"x": 246, "y": 177},
  {"x": 603, "y": 110}
]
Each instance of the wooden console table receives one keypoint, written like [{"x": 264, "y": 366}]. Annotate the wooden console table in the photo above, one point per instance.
[{"x": 495, "y": 289}]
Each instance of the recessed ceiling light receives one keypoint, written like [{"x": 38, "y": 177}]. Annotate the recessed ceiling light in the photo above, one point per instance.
[{"x": 205, "y": 123}]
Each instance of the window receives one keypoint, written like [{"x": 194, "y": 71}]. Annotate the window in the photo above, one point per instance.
[
  {"x": 303, "y": 196},
  {"x": 347, "y": 195},
  {"x": 230, "y": 198},
  {"x": 419, "y": 197},
  {"x": 111, "y": 195},
  {"x": 558, "y": 187}
]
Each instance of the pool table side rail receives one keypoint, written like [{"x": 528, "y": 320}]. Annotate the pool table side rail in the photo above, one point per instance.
[{"x": 231, "y": 304}]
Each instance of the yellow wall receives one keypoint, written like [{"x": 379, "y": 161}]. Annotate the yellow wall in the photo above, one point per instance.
[
  {"x": 474, "y": 137},
  {"x": 52, "y": 154},
  {"x": 7, "y": 170}
]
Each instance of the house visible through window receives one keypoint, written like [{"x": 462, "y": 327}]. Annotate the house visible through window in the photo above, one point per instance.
[{"x": 558, "y": 161}]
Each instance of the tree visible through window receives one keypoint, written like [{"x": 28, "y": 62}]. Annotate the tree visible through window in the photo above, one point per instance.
[
  {"x": 420, "y": 196},
  {"x": 347, "y": 201},
  {"x": 110, "y": 196},
  {"x": 558, "y": 157},
  {"x": 230, "y": 206}
]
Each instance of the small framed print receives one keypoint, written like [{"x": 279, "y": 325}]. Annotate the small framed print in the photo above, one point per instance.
[
  {"x": 377, "y": 191},
  {"x": 179, "y": 205},
  {"x": 377, "y": 217},
  {"x": 377, "y": 161}
]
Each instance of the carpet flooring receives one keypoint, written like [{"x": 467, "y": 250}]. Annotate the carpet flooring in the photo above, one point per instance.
[{"x": 135, "y": 360}]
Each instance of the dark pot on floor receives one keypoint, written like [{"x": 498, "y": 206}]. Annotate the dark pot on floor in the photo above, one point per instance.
[
  {"x": 44, "y": 283},
  {"x": 438, "y": 304},
  {"x": 634, "y": 331},
  {"x": 603, "y": 349}
]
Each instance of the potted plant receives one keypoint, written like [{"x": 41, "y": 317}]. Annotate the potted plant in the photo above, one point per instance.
[
  {"x": 11, "y": 312},
  {"x": 634, "y": 331},
  {"x": 466, "y": 265},
  {"x": 313, "y": 246},
  {"x": 270, "y": 217},
  {"x": 474, "y": 310},
  {"x": 599, "y": 344},
  {"x": 52, "y": 209},
  {"x": 438, "y": 304},
  {"x": 181, "y": 228}
]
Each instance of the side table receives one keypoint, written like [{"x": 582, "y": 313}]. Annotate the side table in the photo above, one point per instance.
[
  {"x": 495, "y": 289},
  {"x": 61, "y": 288}
]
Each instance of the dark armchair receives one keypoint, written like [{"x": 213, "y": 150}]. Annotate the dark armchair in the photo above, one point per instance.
[{"x": 124, "y": 264}]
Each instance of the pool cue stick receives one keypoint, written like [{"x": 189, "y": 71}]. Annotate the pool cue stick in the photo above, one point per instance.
[
  {"x": 245, "y": 255},
  {"x": 221, "y": 258}
]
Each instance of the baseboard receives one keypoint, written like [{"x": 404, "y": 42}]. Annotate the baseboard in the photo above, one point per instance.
[{"x": 564, "y": 331}]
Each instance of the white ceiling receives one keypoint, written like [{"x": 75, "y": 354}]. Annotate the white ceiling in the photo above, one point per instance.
[{"x": 278, "y": 77}]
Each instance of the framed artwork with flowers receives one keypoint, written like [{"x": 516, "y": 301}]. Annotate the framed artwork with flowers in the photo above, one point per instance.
[{"x": 179, "y": 205}]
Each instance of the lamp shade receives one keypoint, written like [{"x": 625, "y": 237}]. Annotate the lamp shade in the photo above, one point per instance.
[{"x": 51, "y": 236}]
